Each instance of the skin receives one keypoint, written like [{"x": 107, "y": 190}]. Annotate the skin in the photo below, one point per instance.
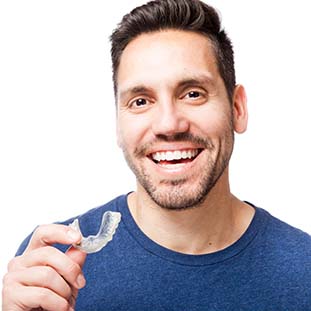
[
  {"x": 43, "y": 277},
  {"x": 170, "y": 97}
]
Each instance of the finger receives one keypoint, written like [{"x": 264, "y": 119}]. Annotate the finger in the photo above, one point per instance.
[
  {"x": 20, "y": 297},
  {"x": 45, "y": 277},
  {"x": 49, "y": 256},
  {"x": 73, "y": 298},
  {"x": 53, "y": 233},
  {"x": 76, "y": 255}
]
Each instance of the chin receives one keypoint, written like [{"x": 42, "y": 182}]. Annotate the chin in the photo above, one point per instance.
[{"x": 178, "y": 195}]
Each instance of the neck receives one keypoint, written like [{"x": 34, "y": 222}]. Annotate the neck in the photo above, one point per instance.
[{"x": 214, "y": 225}]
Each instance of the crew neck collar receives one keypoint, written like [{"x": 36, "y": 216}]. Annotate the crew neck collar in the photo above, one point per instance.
[{"x": 257, "y": 224}]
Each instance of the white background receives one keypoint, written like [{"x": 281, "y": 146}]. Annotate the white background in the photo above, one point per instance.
[{"x": 58, "y": 153}]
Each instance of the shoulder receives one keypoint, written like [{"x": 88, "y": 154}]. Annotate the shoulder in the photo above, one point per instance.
[
  {"x": 281, "y": 258},
  {"x": 286, "y": 236},
  {"x": 285, "y": 251}
]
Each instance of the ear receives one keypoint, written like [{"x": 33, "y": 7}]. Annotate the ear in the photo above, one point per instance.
[{"x": 240, "y": 113}]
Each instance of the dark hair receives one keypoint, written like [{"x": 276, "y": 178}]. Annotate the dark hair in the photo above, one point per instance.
[{"x": 189, "y": 15}]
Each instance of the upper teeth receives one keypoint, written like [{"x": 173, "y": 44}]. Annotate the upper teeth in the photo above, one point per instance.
[{"x": 174, "y": 155}]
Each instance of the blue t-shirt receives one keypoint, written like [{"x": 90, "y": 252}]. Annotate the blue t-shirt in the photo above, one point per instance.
[{"x": 268, "y": 268}]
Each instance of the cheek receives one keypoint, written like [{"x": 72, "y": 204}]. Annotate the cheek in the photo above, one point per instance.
[
  {"x": 131, "y": 131},
  {"x": 210, "y": 120}
]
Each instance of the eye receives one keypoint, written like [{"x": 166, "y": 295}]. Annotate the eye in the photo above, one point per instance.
[
  {"x": 140, "y": 102},
  {"x": 193, "y": 94}
]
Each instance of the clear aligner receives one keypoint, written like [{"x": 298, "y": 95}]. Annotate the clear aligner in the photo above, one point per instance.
[{"x": 94, "y": 243}]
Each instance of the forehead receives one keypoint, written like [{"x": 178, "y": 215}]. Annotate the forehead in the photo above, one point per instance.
[{"x": 164, "y": 57}]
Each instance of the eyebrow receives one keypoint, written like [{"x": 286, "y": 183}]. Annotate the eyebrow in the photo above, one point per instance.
[
  {"x": 134, "y": 90},
  {"x": 195, "y": 80}
]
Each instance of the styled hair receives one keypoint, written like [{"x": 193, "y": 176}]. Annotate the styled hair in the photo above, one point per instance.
[{"x": 188, "y": 15}]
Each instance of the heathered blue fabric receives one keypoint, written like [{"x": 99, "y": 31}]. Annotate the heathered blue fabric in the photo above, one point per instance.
[{"x": 268, "y": 268}]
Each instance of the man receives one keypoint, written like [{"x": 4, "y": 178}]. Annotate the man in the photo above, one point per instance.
[{"x": 184, "y": 241}]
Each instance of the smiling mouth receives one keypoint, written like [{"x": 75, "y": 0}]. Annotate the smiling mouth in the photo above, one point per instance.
[{"x": 174, "y": 157}]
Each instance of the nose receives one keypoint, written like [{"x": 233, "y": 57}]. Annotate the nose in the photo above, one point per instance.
[{"x": 169, "y": 120}]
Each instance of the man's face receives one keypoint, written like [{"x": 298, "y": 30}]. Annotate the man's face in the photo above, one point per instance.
[{"x": 175, "y": 122}]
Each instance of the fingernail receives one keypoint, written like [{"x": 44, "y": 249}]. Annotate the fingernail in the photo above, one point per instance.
[
  {"x": 80, "y": 281},
  {"x": 73, "y": 235}
]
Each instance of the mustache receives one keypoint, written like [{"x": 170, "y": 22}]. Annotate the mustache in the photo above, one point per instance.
[{"x": 206, "y": 143}]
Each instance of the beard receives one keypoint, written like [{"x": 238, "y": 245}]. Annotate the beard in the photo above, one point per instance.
[{"x": 177, "y": 194}]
